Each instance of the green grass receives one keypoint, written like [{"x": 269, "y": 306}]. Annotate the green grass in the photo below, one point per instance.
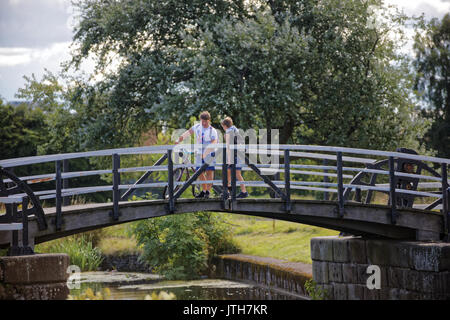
[
  {"x": 255, "y": 236},
  {"x": 275, "y": 238},
  {"x": 116, "y": 240},
  {"x": 79, "y": 248}
]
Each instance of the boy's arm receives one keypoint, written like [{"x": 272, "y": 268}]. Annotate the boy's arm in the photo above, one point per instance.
[
  {"x": 208, "y": 149},
  {"x": 186, "y": 134}
]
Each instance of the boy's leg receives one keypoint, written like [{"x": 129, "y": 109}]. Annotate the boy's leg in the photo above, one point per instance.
[
  {"x": 203, "y": 178},
  {"x": 209, "y": 176},
  {"x": 240, "y": 178}
]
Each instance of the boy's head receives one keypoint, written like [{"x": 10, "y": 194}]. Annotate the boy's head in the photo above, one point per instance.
[
  {"x": 227, "y": 123},
  {"x": 205, "y": 118}
]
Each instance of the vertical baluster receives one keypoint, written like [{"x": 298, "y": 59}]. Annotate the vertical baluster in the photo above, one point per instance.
[
  {"x": 116, "y": 182},
  {"x": 358, "y": 195},
  {"x": 58, "y": 221},
  {"x": 445, "y": 211},
  {"x": 340, "y": 185},
  {"x": 392, "y": 193},
  {"x": 66, "y": 199},
  {"x": 326, "y": 180},
  {"x": 287, "y": 180},
  {"x": 224, "y": 177},
  {"x": 170, "y": 181},
  {"x": 14, "y": 249},
  {"x": 233, "y": 173},
  {"x": 25, "y": 243}
]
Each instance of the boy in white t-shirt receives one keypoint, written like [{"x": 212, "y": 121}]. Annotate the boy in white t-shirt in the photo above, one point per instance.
[{"x": 205, "y": 135}]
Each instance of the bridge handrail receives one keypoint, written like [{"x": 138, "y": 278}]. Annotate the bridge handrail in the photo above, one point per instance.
[
  {"x": 250, "y": 148},
  {"x": 336, "y": 154},
  {"x": 51, "y": 194}
]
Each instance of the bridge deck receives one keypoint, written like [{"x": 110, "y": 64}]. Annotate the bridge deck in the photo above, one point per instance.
[{"x": 358, "y": 219}]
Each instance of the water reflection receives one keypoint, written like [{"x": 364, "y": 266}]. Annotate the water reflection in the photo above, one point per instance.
[{"x": 206, "y": 289}]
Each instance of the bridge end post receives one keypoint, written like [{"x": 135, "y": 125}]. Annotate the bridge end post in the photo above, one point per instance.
[
  {"x": 116, "y": 181},
  {"x": 340, "y": 184},
  {"x": 392, "y": 193},
  {"x": 445, "y": 196},
  {"x": 170, "y": 181}
]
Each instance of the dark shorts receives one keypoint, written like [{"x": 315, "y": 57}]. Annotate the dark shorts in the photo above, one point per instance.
[
  {"x": 207, "y": 169},
  {"x": 237, "y": 167}
]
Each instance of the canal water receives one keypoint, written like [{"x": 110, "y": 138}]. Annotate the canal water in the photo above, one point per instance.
[{"x": 136, "y": 286}]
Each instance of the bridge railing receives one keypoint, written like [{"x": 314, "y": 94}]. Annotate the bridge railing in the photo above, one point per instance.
[{"x": 348, "y": 173}]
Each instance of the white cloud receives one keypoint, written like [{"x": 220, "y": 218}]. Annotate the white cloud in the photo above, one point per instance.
[
  {"x": 431, "y": 8},
  {"x": 21, "y": 56}
]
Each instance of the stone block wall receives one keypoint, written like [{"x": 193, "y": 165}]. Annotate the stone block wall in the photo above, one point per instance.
[
  {"x": 408, "y": 269},
  {"x": 34, "y": 277},
  {"x": 264, "y": 272},
  {"x": 124, "y": 263}
]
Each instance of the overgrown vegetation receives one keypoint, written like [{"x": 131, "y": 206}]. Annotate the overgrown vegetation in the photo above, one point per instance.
[
  {"x": 314, "y": 291},
  {"x": 181, "y": 246},
  {"x": 80, "y": 249}
]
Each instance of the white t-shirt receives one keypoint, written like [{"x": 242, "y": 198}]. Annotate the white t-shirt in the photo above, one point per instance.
[{"x": 203, "y": 136}]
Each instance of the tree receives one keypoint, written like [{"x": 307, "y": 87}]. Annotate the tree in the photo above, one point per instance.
[
  {"x": 23, "y": 130},
  {"x": 60, "y": 126},
  {"x": 432, "y": 63},
  {"x": 317, "y": 70},
  {"x": 53, "y": 98}
]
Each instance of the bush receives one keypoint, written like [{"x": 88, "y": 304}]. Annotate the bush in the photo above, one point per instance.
[
  {"x": 181, "y": 246},
  {"x": 80, "y": 250}
]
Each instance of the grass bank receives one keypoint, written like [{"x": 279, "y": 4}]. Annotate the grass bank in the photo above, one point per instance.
[
  {"x": 255, "y": 236},
  {"x": 275, "y": 238}
]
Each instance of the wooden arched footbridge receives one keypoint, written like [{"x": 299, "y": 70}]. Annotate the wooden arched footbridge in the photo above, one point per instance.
[{"x": 398, "y": 195}]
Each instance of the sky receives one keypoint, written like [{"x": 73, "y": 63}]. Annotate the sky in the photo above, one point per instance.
[{"x": 36, "y": 35}]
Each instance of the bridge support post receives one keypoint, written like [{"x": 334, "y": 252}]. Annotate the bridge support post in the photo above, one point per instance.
[
  {"x": 34, "y": 277},
  {"x": 19, "y": 242}
]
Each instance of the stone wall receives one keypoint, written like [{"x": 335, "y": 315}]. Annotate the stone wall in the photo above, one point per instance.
[
  {"x": 408, "y": 270},
  {"x": 289, "y": 277},
  {"x": 34, "y": 277},
  {"x": 124, "y": 263}
]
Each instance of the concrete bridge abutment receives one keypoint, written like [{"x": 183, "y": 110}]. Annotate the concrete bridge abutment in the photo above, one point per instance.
[
  {"x": 34, "y": 277},
  {"x": 356, "y": 268}
]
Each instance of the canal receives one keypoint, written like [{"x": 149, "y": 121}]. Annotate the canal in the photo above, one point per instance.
[{"x": 138, "y": 286}]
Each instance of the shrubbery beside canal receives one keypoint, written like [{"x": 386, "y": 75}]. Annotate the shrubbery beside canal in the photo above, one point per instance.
[
  {"x": 80, "y": 249},
  {"x": 182, "y": 246}
]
